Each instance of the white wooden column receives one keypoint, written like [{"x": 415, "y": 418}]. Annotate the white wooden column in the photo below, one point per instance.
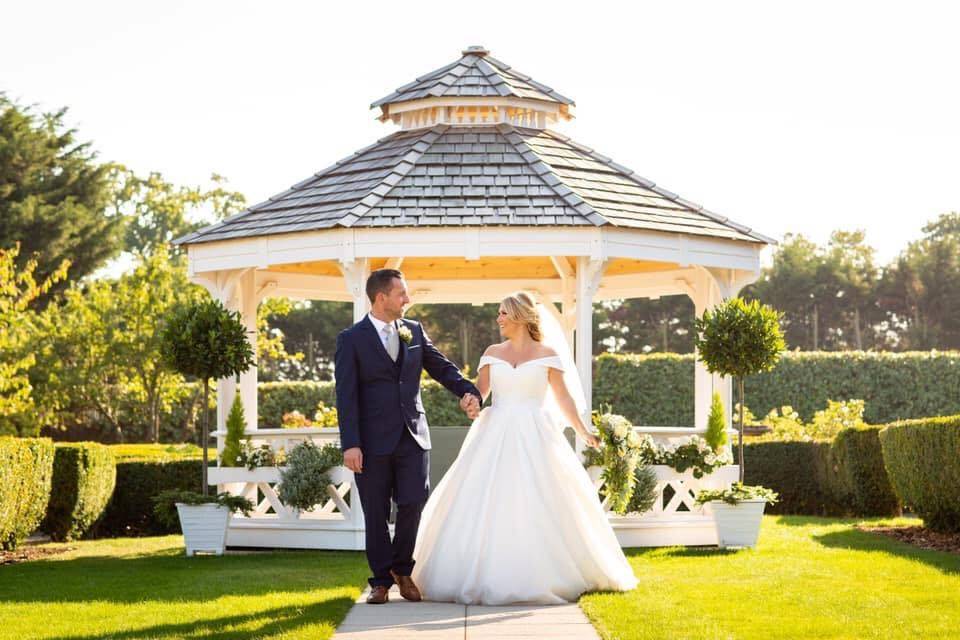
[
  {"x": 355, "y": 274},
  {"x": 249, "y": 303},
  {"x": 589, "y": 273}
]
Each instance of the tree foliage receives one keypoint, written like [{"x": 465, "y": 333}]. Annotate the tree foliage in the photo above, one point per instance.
[{"x": 54, "y": 197}]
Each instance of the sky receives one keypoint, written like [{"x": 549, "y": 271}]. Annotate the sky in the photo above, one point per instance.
[{"x": 802, "y": 117}]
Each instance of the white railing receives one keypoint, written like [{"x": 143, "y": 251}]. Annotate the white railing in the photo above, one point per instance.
[{"x": 337, "y": 522}]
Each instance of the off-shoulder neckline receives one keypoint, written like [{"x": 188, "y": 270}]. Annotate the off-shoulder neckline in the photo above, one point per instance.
[{"x": 519, "y": 364}]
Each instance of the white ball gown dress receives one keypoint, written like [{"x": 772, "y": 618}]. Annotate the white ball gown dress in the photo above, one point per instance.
[{"x": 516, "y": 518}]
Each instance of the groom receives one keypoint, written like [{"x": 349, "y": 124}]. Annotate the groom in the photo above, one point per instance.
[{"x": 383, "y": 429}]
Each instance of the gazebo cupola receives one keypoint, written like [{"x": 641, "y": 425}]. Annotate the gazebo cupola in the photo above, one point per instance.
[{"x": 475, "y": 90}]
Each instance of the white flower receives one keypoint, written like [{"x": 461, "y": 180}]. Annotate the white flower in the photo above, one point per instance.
[
  {"x": 633, "y": 439},
  {"x": 621, "y": 430},
  {"x": 710, "y": 458},
  {"x": 404, "y": 333}
]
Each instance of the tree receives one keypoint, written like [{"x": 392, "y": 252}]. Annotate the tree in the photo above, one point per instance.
[
  {"x": 643, "y": 325},
  {"x": 921, "y": 289},
  {"x": 53, "y": 197},
  {"x": 739, "y": 339},
  {"x": 99, "y": 351},
  {"x": 206, "y": 341},
  {"x": 18, "y": 288},
  {"x": 158, "y": 211}
]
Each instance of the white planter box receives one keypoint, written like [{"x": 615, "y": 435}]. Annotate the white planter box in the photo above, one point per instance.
[
  {"x": 738, "y": 525},
  {"x": 204, "y": 527}
]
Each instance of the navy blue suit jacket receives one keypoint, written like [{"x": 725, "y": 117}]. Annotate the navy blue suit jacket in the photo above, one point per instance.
[{"x": 376, "y": 397}]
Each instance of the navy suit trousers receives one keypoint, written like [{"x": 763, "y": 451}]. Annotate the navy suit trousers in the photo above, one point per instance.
[{"x": 404, "y": 476}]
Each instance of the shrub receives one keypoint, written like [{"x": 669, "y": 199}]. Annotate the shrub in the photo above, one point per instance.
[
  {"x": 130, "y": 511},
  {"x": 922, "y": 459},
  {"x": 143, "y": 452},
  {"x": 716, "y": 435},
  {"x": 860, "y": 481},
  {"x": 84, "y": 475},
  {"x": 232, "y": 453},
  {"x": 657, "y": 389},
  {"x": 26, "y": 472}
]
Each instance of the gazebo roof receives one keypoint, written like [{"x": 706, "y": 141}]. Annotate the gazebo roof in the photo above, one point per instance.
[
  {"x": 474, "y": 151},
  {"x": 464, "y": 176},
  {"x": 475, "y": 74}
]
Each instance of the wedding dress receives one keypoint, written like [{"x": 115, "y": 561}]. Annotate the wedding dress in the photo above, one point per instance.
[{"x": 516, "y": 518}]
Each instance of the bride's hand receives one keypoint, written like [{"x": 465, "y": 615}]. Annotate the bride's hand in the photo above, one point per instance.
[{"x": 591, "y": 439}]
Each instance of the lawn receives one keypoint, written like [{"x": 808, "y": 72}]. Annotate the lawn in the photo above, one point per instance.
[
  {"x": 128, "y": 588},
  {"x": 808, "y": 578}
]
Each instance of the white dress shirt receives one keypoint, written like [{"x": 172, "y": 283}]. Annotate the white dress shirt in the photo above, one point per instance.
[{"x": 379, "y": 324}]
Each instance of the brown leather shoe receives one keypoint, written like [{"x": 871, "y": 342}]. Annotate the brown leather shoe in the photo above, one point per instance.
[
  {"x": 378, "y": 595},
  {"x": 408, "y": 589}
]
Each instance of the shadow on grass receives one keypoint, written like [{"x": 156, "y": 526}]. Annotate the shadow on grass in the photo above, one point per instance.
[
  {"x": 680, "y": 552},
  {"x": 168, "y": 575},
  {"x": 267, "y": 622},
  {"x": 865, "y": 541}
]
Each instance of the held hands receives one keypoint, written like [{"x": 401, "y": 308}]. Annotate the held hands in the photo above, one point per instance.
[{"x": 470, "y": 405}]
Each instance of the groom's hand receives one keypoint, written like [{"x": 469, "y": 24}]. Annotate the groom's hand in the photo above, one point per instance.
[{"x": 353, "y": 459}]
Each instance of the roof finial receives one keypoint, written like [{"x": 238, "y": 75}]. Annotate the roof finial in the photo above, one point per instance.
[{"x": 476, "y": 49}]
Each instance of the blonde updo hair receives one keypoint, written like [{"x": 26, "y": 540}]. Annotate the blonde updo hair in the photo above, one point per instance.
[{"x": 521, "y": 307}]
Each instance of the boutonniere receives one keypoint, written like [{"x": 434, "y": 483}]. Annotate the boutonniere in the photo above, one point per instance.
[{"x": 405, "y": 334}]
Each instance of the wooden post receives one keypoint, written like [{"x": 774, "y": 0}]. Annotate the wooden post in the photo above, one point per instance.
[{"x": 589, "y": 272}]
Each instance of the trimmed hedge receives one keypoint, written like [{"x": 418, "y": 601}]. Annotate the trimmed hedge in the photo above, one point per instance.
[
  {"x": 26, "y": 470},
  {"x": 923, "y": 462},
  {"x": 130, "y": 511},
  {"x": 657, "y": 389},
  {"x": 845, "y": 477},
  {"x": 84, "y": 475}
]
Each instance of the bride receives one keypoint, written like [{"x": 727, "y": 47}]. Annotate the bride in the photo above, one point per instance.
[{"x": 516, "y": 518}]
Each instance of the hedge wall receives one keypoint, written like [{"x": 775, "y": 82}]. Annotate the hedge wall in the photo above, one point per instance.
[
  {"x": 923, "y": 462},
  {"x": 130, "y": 511},
  {"x": 845, "y": 477},
  {"x": 657, "y": 389},
  {"x": 84, "y": 475},
  {"x": 26, "y": 469}
]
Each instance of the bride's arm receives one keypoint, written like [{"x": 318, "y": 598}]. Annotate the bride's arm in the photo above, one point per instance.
[
  {"x": 483, "y": 382},
  {"x": 568, "y": 407}
]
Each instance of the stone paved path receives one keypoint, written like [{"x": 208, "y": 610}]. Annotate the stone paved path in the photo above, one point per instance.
[{"x": 447, "y": 621}]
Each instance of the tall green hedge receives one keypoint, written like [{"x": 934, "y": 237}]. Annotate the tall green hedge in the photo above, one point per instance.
[
  {"x": 84, "y": 475},
  {"x": 130, "y": 511},
  {"x": 845, "y": 477},
  {"x": 26, "y": 470},
  {"x": 923, "y": 462},
  {"x": 657, "y": 389}
]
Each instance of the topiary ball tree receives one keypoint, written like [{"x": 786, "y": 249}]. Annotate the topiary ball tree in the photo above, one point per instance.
[
  {"x": 205, "y": 340},
  {"x": 739, "y": 339}
]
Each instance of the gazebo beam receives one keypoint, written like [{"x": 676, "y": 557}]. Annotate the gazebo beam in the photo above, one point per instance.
[
  {"x": 355, "y": 273},
  {"x": 589, "y": 273}
]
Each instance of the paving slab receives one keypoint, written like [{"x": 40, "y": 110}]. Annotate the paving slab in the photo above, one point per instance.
[{"x": 399, "y": 620}]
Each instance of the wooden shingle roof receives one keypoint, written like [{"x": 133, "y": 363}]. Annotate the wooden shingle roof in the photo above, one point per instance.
[
  {"x": 474, "y": 176},
  {"x": 475, "y": 74}
]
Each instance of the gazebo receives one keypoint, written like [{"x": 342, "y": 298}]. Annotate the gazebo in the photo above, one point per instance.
[{"x": 473, "y": 198}]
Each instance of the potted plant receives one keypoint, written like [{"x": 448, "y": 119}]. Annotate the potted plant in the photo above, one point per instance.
[
  {"x": 203, "y": 519},
  {"x": 739, "y": 339},
  {"x": 737, "y": 512},
  {"x": 305, "y": 480},
  {"x": 205, "y": 340}
]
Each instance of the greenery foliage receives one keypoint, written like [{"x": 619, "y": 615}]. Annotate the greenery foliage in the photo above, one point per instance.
[
  {"x": 130, "y": 512},
  {"x": 657, "y": 389},
  {"x": 232, "y": 453},
  {"x": 645, "y": 492},
  {"x": 922, "y": 459},
  {"x": 165, "y": 504},
  {"x": 84, "y": 475},
  {"x": 737, "y": 492},
  {"x": 716, "y": 435},
  {"x": 26, "y": 472},
  {"x": 618, "y": 458},
  {"x": 842, "y": 477},
  {"x": 303, "y": 483}
]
